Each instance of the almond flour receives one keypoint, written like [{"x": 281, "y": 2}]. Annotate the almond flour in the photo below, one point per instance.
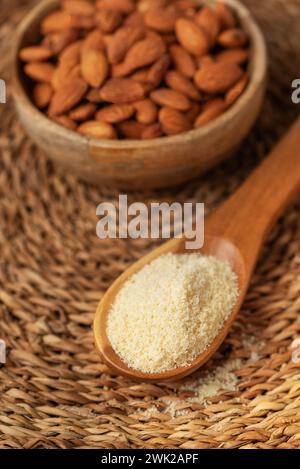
[{"x": 171, "y": 310}]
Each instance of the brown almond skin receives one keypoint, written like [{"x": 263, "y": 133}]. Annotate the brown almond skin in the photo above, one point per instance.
[
  {"x": 108, "y": 20},
  {"x": 235, "y": 92},
  {"x": 205, "y": 59},
  {"x": 193, "y": 113},
  {"x": 58, "y": 41},
  {"x": 225, "y": 15},
  {"x": 94, "y": 40},
  {"x": 62, "y": 20},
  {"x": 93, "y": 96},
  {"x": 141, "y": 75},
  {"x": 146, "y": 111},
  {"x": 173, "y": 122},
  {"x": 35, "y": 54},
  {"x": 71, "y": 55},
  {"x": 95, "y": 129},
  {"x": 131, "y": 129},
  {"x": 83, "y": 112},
  {"x": 234, "y": 37},
  {"x": 122, "y": 41},
  {"x": 211, "y": 111},
  {"x": 217, "y": 78},
  {"x": 122, "y": 91},
  {"x": 64, "y": 74},
  {"x": 40, "y": 71},
  {"x": 141, "y": 54},
  {"x": 171, "y": 98},
  {"x": 65, "y": 121},
  {"x": 179, "y": 82},
  {"x": 115, "y": 113},
  {"x": 161, "y": 19},
  {"x": 152, "y": 131},
  {"x": 67, "y": 97},
  {"x": 209, "y": 21},
  {"x": 191, "y": 36},
  {"x": 183, "y": 61},
  {"x": 236, "y": 56},
  {"x": 123, "y": 6},
  {"x": 94, "y": 67},
  {"x": 42, "y": 93},
  {"x": 158, "y": 70},
  {"x": 78, "y": 7}
]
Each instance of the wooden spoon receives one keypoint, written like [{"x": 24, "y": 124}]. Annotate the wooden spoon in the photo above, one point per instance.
[{"x": 235, "y": 232}]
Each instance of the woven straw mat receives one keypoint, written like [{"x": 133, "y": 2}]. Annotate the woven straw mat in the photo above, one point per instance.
[{"x": 55, "y": 392}]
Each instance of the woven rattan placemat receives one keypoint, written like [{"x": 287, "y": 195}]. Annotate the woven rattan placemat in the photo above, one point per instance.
[{"x": 55, "y": 392}]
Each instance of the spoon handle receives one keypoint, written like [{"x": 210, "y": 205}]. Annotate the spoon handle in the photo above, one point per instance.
[{"x": 249, "y": 214}]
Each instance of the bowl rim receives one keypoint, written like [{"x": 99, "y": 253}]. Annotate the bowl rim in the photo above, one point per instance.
[{"x": 259, "y": 63}]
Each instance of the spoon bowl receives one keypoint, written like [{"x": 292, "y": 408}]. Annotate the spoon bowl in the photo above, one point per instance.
[
  {"x": 234, "y": 233},
  {"x": 222, "y": 249}
]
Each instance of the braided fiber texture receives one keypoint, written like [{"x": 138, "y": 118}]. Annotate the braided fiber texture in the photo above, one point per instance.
[{"x": 55, "y": 392}]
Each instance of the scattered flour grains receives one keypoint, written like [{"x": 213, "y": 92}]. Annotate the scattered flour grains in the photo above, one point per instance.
[{"x": 171, "y": 310}]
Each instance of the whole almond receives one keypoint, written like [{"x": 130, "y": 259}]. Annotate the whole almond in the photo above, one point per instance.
[
  {"x": 122, "y": 41},
  {"x": 115, "y": 113},
  {"x": 225, "y": 15},
  {"x": 185, "y": 5},
  {"x": 57, "y": 21},
  {"x": 146, "y": 111},
  {"x": 65, "y": 121},
  {"x": 70, "y": 56},
  {"x": 183, "y": 61},
  {"x": 213, "y": 110},
  {"x": 158, "y": 70},
  {"x": 205, "y": 59},
  {"x": 66, "y": 97},
  {"x": 94, "y": 40},
  {"x": 145, "y": 5},
  {"x": 233, "y": 38},
  {"x": 141, "y": 75},
  {"x": 179, "y": 82},
  {"x": 131, "y": 129},
  {"x": 93, "y": 96},
  {"x": 95, "y": 129},
  {"x": 209, "y": 21},
  {"x": 171, "y": 98},
  {"x": 94, "y": 67},
  {"x": 83, "y": 112},
  {"x": 141, "y": 54},
  {"x": 78, "y": 7},
  {"x": 123, "y": 6},
  {"x": 218, "y": 77},
  {"x": 108, "y": 20},
  {"x": 152, "y": 131},
  {"x": 62, "y": 20},
  {"x": 193, "y": 113},
  {"x": 135, "y": 18},
  {"x": 42, "y": 93},
  {"x": 161, "y": 19},
  {"x": 236, "y": 56},
  {"x": 173, "y": 122},
  {"x": 40, "y": 71},
  {"x": 191, "y": 36},
  {"x": 235, "y": 92},
  {"x": 121, "y": 91},
  {"x": 63, "y": 74},
  {"x": 35, "y": 54},
  {"x": 58, "y": 41}
]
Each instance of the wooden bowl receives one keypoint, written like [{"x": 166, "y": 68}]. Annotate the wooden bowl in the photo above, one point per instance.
[{"x": 149, "y": 164}]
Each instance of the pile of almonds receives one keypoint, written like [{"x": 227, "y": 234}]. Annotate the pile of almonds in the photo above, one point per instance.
[{"x": 137, "y": 69}]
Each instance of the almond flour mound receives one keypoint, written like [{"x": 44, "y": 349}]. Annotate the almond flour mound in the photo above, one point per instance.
[{"x": 171, "y": 310}]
